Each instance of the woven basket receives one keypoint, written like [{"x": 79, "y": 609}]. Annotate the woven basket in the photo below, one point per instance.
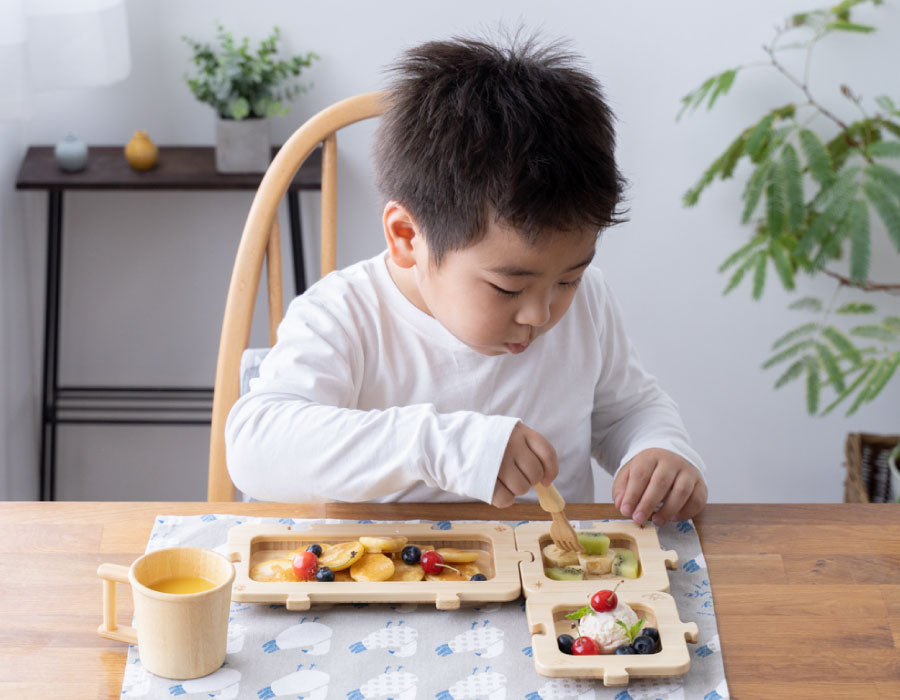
[{"x": 868, "y": 476}]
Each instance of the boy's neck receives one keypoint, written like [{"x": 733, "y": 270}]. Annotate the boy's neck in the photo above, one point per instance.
[{"x": 405, "y": 279}]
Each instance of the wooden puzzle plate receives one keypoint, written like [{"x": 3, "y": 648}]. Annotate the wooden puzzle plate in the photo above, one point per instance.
[
  {"x": 643, "y": 541},
  {"x": 498, "y": 560},
  {"x": 547, "y": 619}
]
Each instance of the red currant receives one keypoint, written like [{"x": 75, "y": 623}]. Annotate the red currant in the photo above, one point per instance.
[
  {"x": 585, "y": 646},
  {"x": 431, "y": 562},
  {"x": 305, "y": 565}
]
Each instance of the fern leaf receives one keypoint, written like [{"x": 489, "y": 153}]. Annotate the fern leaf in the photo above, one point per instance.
[
  {"x": 724, "y": 81},
  {"x": 854, "y": 307},
  {"x": 754, "y": 189},
  {"x": 788, "y": 353},
  {"x": 794, "y": 371},
  {"x": 811, "y": 303},
  {"x": 693, "y": 99},
  {"x": 759, "y": 276},
  {"x": 738, "y": 275},
  {"x": 835, "y": 199},
  {"x": 813, "y": 385},
  {"x": 885, "y": 149},
  {"x": 820, "y": 166},
  {"x": 887, "y": 207},
  {"x": 881, "y": 376},
  {"x": 888, "y": 177},
  {"x": 741, "y": 252},
  {"x": 775, "y": 201},
  {"x": 758, "y": 137},
  {"x": 793, "y": 180},
  {"x": 831, "y": 366},
  {"x": 892, "y": 322},
  {"x": 723, "y": 166},
  {"x": 814, "y": 235},
  {"x": 887, "y": 104},
  {"x": 866, "y": 370},
  {"x": 798, "y": 332},
  {"x": 842, "y": 344},
  {"x": 781, "y": 258},
  {"x": 850, "y": 27},
  {"x": 732, "y": 155},
  {"x": 874, "y": 332},
  {"x": 858, "y": 229}
]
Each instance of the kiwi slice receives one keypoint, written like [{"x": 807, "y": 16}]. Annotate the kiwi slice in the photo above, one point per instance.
[
  {"x": 593, "y": 542},
  {"x": 564, "y": 573},
  {"x": 625, "y": 564}
]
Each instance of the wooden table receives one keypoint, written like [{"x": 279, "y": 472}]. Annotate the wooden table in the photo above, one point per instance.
[
  {"x": 807, "y": 597},
  {"x": 185, "y": 168}
]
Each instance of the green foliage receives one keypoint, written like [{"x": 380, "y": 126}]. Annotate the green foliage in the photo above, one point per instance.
[
  {"x": 815, "y": 192},
  {"x": 239, "y": 84}
]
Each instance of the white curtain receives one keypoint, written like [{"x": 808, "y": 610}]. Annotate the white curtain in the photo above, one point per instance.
[{"x": 44, "y": 45}]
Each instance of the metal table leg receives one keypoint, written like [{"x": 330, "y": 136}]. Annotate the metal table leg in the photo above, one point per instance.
[
  {"x": 296, "y": 241},
  {"x": 50, "y": 382}
]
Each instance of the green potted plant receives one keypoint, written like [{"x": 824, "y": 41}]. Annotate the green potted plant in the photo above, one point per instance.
[
  {"x": 246, "y": 90},
  {"x": 823, "y": 179}
]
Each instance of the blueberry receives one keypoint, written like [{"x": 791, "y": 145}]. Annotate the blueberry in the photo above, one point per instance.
[
  {"x": 478, "y": 577},
  {"x": 651, "y": 632},
  {"x": 324, "y": 574},
  {"x": 626, "y": 649},
  {"x": 411, "y": 554},
  {"x": 315, "y": 549},
  {"x": 564, "y": 641},
  {"x": 643, "y": 644}
]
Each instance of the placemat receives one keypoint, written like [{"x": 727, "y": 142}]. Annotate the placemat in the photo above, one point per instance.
[{"x": 405, "y": 651}]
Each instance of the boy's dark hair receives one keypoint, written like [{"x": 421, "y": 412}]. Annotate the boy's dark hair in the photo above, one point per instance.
[{"x": 476, "y": 130}]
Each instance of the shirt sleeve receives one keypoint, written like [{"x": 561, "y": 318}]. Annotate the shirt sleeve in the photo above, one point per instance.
[
  {"x": 631, "y": 412},
  {"x": 297, "y": 436}
]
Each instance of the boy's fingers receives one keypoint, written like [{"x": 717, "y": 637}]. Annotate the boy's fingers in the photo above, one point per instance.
[
  {"x": 530, "y": 469},
  {"x": 656, "y": 491},
  {"x": 503, "y": 497},
  {"x": 514, "y": 481},
  {"x": 619, "y": 485},
  {"x": 675, "y": 500},
  {"x": 695, "y": 502},
  {"x": 640, "y": 469},
  {"x": 544, "y": 451}
]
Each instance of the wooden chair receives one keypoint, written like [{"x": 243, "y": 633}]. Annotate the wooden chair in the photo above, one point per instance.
[{"x": 261, "y": 240}]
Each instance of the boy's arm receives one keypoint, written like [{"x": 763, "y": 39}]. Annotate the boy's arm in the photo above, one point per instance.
[
  {"x": 632, "y": 414},
  {"x": 297, "y": 435}
]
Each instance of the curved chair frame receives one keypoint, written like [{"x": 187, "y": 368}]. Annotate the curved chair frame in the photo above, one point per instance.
[{"x": 260, "y": 240}]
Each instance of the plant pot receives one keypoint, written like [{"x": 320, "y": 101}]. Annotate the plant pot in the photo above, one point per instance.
[{"x": 243, "y": 146}]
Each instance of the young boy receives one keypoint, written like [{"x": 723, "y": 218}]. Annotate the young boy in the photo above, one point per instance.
[{"x": 481, "y": 353}]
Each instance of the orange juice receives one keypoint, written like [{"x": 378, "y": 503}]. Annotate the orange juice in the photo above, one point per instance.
[{"x": 183, "y": 584}]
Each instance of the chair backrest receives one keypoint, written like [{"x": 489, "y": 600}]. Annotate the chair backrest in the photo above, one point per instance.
[{"x": 261, "y": 240}]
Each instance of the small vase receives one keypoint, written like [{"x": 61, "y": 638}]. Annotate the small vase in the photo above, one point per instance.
[
  {"x": 243, "y": 146},
  {"x": 71, "y": 154},
  {"x": 141, "y": 153}
]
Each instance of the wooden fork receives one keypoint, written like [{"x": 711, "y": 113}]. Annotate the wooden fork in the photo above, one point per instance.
[{"x": 561, "y": 531}]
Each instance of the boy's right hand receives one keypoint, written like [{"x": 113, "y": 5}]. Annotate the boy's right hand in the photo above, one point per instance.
[{"x": 529, "y": 458}]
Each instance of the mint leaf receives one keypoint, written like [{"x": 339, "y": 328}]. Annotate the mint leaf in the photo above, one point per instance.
[
  {"x": 578, "y": 614},
  {"x": 632, "y": 631}
]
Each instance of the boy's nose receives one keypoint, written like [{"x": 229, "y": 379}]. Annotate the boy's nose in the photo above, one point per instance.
[{"x": 535, "y": 314}]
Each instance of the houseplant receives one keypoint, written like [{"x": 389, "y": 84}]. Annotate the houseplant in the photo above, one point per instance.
[
  {"x": 820, "y": 186},
  {"x": 246, "y": 90}
]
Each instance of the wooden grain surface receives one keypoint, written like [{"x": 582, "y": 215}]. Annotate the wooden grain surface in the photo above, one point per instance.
[{"x": 807, "y": 597}]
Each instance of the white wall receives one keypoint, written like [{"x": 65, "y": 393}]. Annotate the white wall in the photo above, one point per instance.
[{"x": 144, "y": 275}]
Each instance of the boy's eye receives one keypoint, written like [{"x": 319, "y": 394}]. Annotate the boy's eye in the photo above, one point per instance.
[
  {"x": 572, "y": 284},
  {"x": 505, "y": 292}
]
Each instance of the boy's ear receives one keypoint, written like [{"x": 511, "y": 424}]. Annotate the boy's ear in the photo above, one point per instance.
[{"x": 400, "y": 232}]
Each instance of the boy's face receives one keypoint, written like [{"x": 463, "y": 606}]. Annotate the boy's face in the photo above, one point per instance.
[{"x": 499, "y": 294}]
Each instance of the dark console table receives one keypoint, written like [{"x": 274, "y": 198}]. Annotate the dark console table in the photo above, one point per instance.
[{"x": 179, "y": 168}]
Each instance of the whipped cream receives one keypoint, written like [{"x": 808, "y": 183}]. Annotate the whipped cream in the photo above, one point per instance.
[{"x": 602, "y": 627}]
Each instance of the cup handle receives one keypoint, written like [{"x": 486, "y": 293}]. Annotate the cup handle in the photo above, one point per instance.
[{"x": 111, "y": 574}]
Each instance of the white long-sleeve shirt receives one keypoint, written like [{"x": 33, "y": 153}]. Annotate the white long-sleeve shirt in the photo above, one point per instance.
[{"x": 365, "y": 397}]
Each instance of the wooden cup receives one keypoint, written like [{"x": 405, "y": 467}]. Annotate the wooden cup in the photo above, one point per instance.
[{"x": 180, "y": 635}]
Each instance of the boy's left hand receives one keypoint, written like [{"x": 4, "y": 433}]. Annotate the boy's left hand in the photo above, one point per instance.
[{"x": 657, "y": 476}]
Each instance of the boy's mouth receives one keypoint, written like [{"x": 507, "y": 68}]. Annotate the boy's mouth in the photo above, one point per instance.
[{"x": 516, "y": 348}]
